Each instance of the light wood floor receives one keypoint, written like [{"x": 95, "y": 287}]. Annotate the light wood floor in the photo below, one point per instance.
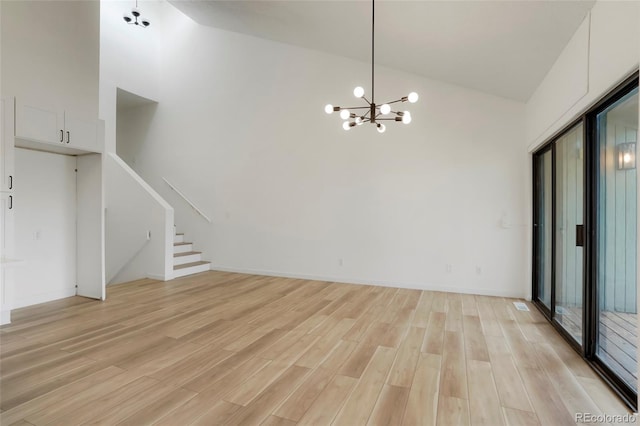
[{"x": 222, "y": 348}]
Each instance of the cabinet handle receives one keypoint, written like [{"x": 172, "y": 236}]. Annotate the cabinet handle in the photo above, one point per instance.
[
  {"x": 10, "y": 202},
  {"x": 68, "y": 137},
  {"x": 10, "y": 182},
  {"x": 61, "y": 135}
]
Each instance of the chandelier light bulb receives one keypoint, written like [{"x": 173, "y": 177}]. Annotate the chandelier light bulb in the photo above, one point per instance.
[
  {"x": 358, "y": 92},
  {"x": 406, "y": 117},
  {"x": 328, "y": 108},
  {"x": 381, "y": 128},
  {"x": 126, "y": 18},
  {"x": 413, "y": 97},
  {"x": 345, "y": 114},
  {"x": 358, "y": 120},
  {"x": 135, "y": 12},
  {"x": 346, "y": 125},
  {"x": 385, "y": 109}
]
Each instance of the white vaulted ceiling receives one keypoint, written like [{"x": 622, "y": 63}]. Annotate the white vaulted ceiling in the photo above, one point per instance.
[{"x": 499, "y": 47}]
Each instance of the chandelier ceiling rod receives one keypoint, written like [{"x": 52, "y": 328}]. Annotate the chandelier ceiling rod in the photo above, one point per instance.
[
  {"x": 373, "y": 49},
  {"x": 374, "y": 113}
]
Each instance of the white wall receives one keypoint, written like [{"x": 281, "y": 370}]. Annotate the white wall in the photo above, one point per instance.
[
  {"x": 129, "y": 58},
  {"x": 132, "y": 128},
  {"x": 240, "y": 129},
  {"x": 50, "y": 53},
  {"x": 601, "y": 54},
  {"x": 139, "y": 225},
  {"x": 45, "y": 227}
]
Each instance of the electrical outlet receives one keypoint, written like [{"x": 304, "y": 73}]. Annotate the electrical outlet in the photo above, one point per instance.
[{"x": 148, "y": 235}]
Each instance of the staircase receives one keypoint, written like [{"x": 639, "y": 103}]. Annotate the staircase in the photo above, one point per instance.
[{"x": 185, "y": 260}]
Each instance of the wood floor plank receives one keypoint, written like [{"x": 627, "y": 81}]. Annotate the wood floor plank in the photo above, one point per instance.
[
  {"x": 484, "y": 402},
  {"x": 422, "y": 404},
  {"x": 158, "y": 408},
  {"x": 302, "y": 398},
  {"x": 268, "y": 400},
  {"x": 277, "y": 421},
  {"x": 571, "y": 392},
  {"x": 509, "y": 384},
  {"x": 329, "y": 402},
  {"x": 452, "y": 411},
  {"x": 434, "y": 335},
  {"x": 219, "y": 414},
  {"x": 389, "y": 408},
  {"x": 404, "y": 365},
  {"x": 453, "y": 373},
  {"x": 358, "y": 407},
  {"x": 520, "y": 418}
]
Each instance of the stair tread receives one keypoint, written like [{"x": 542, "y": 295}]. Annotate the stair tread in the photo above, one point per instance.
[
  {"x": 181, "y": 244},
  {"x": 188, "y": 265},
  {"x": 180, "y": 233},
  {"x": 186, "y": 253}
]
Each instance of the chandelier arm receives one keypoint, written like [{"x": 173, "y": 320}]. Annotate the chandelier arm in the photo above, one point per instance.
[
  {"x": 386, "y": 119},
  {"x": 366, "y": 100},
  {"x": 394, "y": 102},
  {"x": 360, "y": 107}
]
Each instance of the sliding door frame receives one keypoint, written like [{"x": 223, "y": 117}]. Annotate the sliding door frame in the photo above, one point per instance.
[
  {"x": 590, "y": 316},
  {"x": 621, "y": 388},
  {"x": 549, "y": 313}
]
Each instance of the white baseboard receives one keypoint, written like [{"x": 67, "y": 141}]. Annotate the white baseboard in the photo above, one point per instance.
[
  {"x": 43, "y": 297},
  {"x": 159, "y": 277},
  {"x": 381, "y": 283}
]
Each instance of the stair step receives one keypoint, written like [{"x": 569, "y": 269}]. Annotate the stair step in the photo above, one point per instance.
[
  {"x": 186, "y": 257},
  {"x": 182, "y": 247},
  {"x": 186, "y": 253},
  {"x": 191, "y": 268},
  {"x": 178, "y": 238}
]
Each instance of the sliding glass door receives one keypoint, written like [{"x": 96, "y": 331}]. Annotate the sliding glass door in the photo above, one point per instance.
[
  {"x": 569, "y": 225},
  {"x": 617, "y": 135},
  {"x": 585, "y": 236},
  {"x": 558, "y": 225}
]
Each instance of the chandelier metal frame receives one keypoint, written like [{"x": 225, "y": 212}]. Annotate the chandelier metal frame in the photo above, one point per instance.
[
  {"x": 372, "y": 113},
  {"x": 135, "y": 12}
]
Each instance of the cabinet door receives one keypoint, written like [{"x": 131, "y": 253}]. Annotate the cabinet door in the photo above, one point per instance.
[
  {"x": 81, "y": 133},
  {"x": 39, "y": 123},
  {"x": 7, "y": 202},
  {"x": 6, "y": 145},
  {"x": 6, "y": 250}
]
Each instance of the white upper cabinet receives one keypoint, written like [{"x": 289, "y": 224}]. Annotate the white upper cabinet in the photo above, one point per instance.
[
  {"x": 39, "y": 123},
  {"x": 56, "y": 126},
  {"x": 6, "y": 145}
]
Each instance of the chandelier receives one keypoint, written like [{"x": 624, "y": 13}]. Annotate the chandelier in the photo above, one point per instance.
[
  {"x": 135, "y": 12},
  {"x": 372, "y": 113}
]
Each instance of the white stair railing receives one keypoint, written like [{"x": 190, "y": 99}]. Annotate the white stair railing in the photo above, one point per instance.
[{"x": 184, "y": 197}]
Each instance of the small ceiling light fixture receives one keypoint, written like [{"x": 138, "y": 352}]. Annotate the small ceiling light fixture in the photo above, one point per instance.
[
  {"x": 373, "y": 113},
  {"x": 626, "y": 156},
  {"x": 135, "y": 12}
]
